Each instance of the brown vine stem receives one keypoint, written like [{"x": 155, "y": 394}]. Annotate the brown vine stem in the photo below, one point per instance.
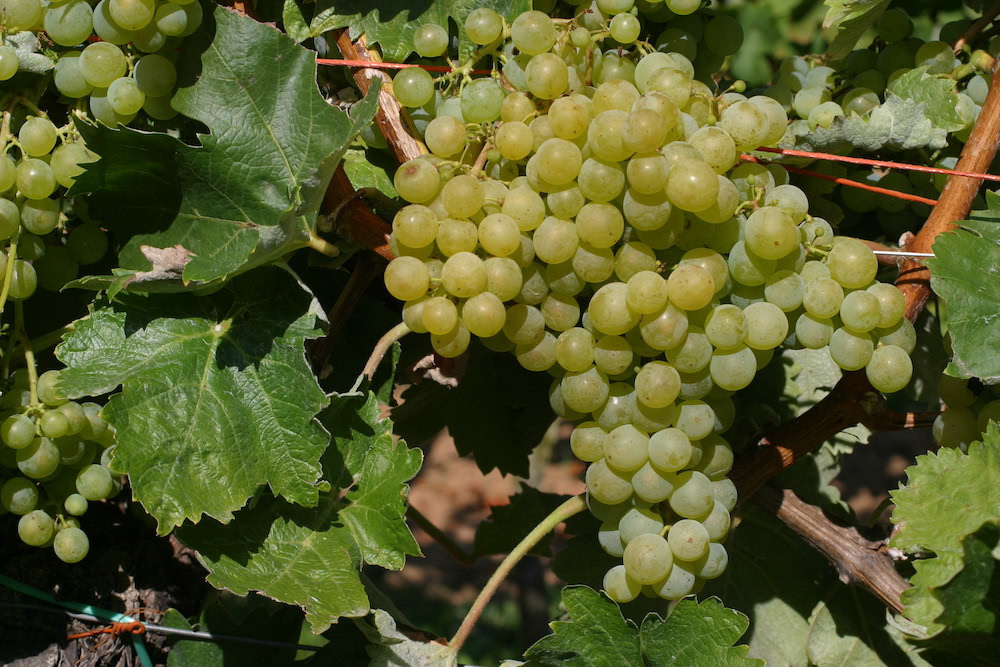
[
  {"x": 395, "y": 124},
  {"x": 571, "y": 507},
  {"x": 382, "y": 347},
  {"x": 439, "y": 536},
  {"x": 858, "y": 561},
  {"x": 354, "y": 220},
  {"x": 955, "y": 200},
  {"x": 977, "y": 27}
]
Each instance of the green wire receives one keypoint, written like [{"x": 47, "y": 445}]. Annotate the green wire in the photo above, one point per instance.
[{"x": 113, "y": 616}]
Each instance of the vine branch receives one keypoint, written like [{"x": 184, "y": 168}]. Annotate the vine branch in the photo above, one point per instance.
[
  {"x": 858, "y": 560},
  {"x": 977, "y": 27},
  {"x": 354, "y": 220},
  {"x": 439, "y": 536}
]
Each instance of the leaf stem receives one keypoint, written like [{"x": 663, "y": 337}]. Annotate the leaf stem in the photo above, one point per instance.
[
  {"x": 323, "y": 246},
  {"x": 381, "y": 348},
  {"x": 439, "y": 536},
  {"x": 571, "y": 507},
  {"x": 54, "y": 337}
]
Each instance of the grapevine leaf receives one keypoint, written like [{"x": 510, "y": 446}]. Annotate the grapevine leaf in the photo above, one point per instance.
[
  {"x": 498, "y": 413},
  {"x": 509, "y": 524},
  {"x": 964, "y": 272},
  {"x": 696, "y": 633},
  {"x": 392, "y": 23},
  {"x": 27, "y": 46},
  {"x": 390, "y": 647},
  {"x": 851, "y": 18},
  {"x": 597, "y": 634},
  {"x": 311, "y": 557},
  {"x": 937, "y": 93},
  {"x": 972, "y": 598},
  {"x": 895, "y": 125},
  {"x": 369, "y": 169},
  {"x": 295, "y": 24},
  {"x": 946, "y": 480},
  {"x": 250, "y": 193},
  {"x": 217, "y": 397}
]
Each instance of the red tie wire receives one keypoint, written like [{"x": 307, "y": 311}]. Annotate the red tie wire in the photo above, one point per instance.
[
  {"x": 375, "y": 65},
  {"x": 848, "y": 182},
  {"x": 877, "y": 163},
  {"x": 115, "y": 630}
]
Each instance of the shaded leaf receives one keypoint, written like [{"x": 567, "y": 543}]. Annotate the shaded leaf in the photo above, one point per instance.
[
  {"x": 217, "y": 398},
  {"x": 390, "y": 647},
  {"x": 295, "y": 24},
  {"x": 851, "y": 18},
  {"x": 509, "y": 524},
  {"x": 250, "y": 193},
  {"x": 311, "y": 557}
]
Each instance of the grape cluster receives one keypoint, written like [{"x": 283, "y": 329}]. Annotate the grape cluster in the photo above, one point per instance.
[
  {"x": 612, "y": 241},
  {"x": 32, "y": 219},
  {"x": 970, "y": 407},
  {"x": 53, "y": 463},
  {"x": 130, "y": 69}
]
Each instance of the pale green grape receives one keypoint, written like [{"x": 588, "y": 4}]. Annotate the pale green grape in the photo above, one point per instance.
[
  {"x": 695, "y": 418},
  {"x": 693, "y": 497},
  {"x": 648, "y": 559},
  {"x": 613, "y": 354},
  {"x": 955, "y": 427},
  {"x": 647, "y": 292},
  {"x": 624, "y": 28},
  {"x": 415, "y": 225},
  {"x": 813, "y": 332},
  {"x": 784, "y": 289},
  {"x": 808, "y": 99},
  {"x": 726, "y": 326},
  {"x": 525, "y": 325},
  {"x": 17, "y": 15},
  {"x": 681, "y": 581},
  {"x": 690, "y": 287},
  {"x": 670, "y": 450},
  {"x": 688, "y": 540},
  {"x": 406, "y": 278},
  {"x": 71, "y": 545},
  {"x": 889, "y": 369},
  {"x": 483, "y": 25},
  {"x": 503, "y": 277},
  {"x": 587, "y": 441},
  {"x": 10, "y": 219},
  {"x": 672, "y": 82},
  {"x": 533, "y": 32},
  {"x": 75, "y": 415},
  {"x": 538, "y": 356},
  {"x": 8, "y": 173},
  {"x": 454, "y": 236},
  {"x": 560, "y": 312},
  {"x": 901, "y": 335},
  {"x": 555, "y": 240},
  {"x": 651, "y": 485},
  {"x": 776, "y": 116},
  {"x": 69, "y": 23},
  {"x": 937, "y": 57},
  {"x": 625, "y": 449},
  {"x": 9, "y": 62},
  {"x": 608, "y": 536},
  {"x": 558, "y": 161},
  {"x": 599, "y": 225},
  {"x": 170, "y": 19},
  {"x": 439, "y": 315},
  {"x": 37, "y": 136},
  {"x": 155, "y": 75},
  {"x": 107, "y": 28},
  {"x": 132, "y": 14},
  {"x": 23, "y": 280},
  {"x": 569, "y": 116},
  {"x": 48, "y": 391},
  {"x": 619, "y": 586},
  {"x": 19, "y": 495},
  {"x": 150, "y": 39},
  {"x": 17, "y": 431},
  {"x": 712, "y": 565},
  {"x": 894, "y": 25},
  {"x": 39, "y": 459},
  {"x": 860, "y": 311},
  {"x": 989, "y": 412},
  {"x": 35, "y": 528},
  {"x": 463, "y": 275},
  {"x": 35, "y": 179},
  {"x": 94, "y": 482},
  {"x": 526, "y": 207},
  {"x": 718, "y": 522},
  {"x": 633, "y": 257},
  {"x": 513, "y": 139},
  {"x": 767, "y": 326},
  {"x": 481, "y": 100},
  {"x": 101, "y": 63},
  {"x": 575, "y": 349},
  {"x": 484, "y": 315},
  {"x": 617, "y": 410},
  {"x": 413, "y": 314},
  {"x": 66, "y": 164},
  {"x": 664, "y": 329},
  {"x": 647, "y": 173},
  {"x": 615, "y": 94},
  {"x": 54, "y": 424},
  {"x": 746, "y": 124},
  {"x": 852, "y": 263},
  {"x": 955, "y": 391},
  {"x": 517, "y": 107},
  {"x": 859, "y": 101},
  {"x": 599, "y": 180},
  {"x": 453, "y": 343},
  {"x": 692, "y": 185},
  {"x": 823, "y": 297},
  {"x": 716, "y": 458},
  {"x": 638, "y": 520},
  {"x": 413, "y": 87},
  {"x": 715, "y": 147},
  {"x": 609, "y": 310},
  {"x": 606, "y": 485},
  {"x": 694, "y": 352},
  {"x": 851, "y": 350},
  {"x": 771, "y": 233},
  {"x": 725, "y": 493},
  {"x": 124, "y": 96},
  {"x": 733, "y": 368},
  {"x": 566, "y": 202},
  {"x": 430, "y": 40},
  {"x": 823, "y": 115},
  {"x": 892, "y": 304},
  {"x": 159, "y": 108},
  {"x": 606, "y": 136}
]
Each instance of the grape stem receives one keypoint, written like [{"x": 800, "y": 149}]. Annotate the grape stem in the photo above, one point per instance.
[
  {"x": 382, "y": 347},
  {"x": 9, "y": 273},
  {"x": 570, "y": 508},
  {"x": 439, "y": 536},
  {"x": 323, "y": 246},
  {"x": 29, "y": 354}
]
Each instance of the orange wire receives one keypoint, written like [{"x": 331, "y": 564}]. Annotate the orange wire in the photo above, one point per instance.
[
  {"x": 878, "y": 163},
  {"x": 846, "y": 181},
  {"x": 374, "y": 65},
  {"x": 115, "y": 630}
]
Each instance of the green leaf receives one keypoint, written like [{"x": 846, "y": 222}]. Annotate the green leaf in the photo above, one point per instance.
[
  {"x": 509, "y": 524},
  {"x": 295, "y": 24},
  {"x": 392, "y": 23},
  {"x": 937, "y": 93},
  {"x": 217, "y": 398},
  {"x": 964, "y": 271},
  {"x": 498, "y": 413},
  {"x": 28, "y": 57},
  {"x": 895, "y": 125},
  {"x": 972, "y": 598},
  {"x": 597, "y": 634},
  {"x": 369, "y": 169},
  {"x": 389, "y": 647},
  {"x": 250, "y": 193},
  {"x": 696, "y": 634},
  {"x": 311, "y": 557},
  {"x": 851, "y": 18},
  {"x": 947, "y": 497}
]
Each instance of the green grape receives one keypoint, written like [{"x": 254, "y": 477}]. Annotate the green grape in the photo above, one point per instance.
[
  {"x": 767, "y": 326},
  {"x": 20, "y": 15},
  {"x": 616, "y": 95},
  {"x": 695, "y": 418},
  {"x": 39, "y": 459},
  {"x": 649, "y": 120},
  {"x": 637, "y": 521},
  {"x": 132, "y": 14},
  {"x": 546, "y": 76},
  {"x": 937, "y": 57},
  {"x": 733, "y": 368},
  {"x": 417, "y": 181},
  {"x": 569, "y": 116},
  {"x": 454, "y": 236},
  {"x": 713, "y": 564},
  {"x": 694, "y": 496},
  {"x": 651, "y": 485},
  {"x": 124, "y": 96},
  {"x": 170, "y": 19},
  {"x": 894, "y": 25},
  {"x": 415, "y": 225},
  {"x": 23, "y": 280},
  {"x": 852, "y": 263},
  {"x": 413, "y": 87},
  {"x": 159, "y": 108},
  {"x": 726, "y": 326},
  {"x": 664, "y": 329},
  {"x": 672, "y": 82},
  {"x": 10, "y": 219},
  {"x": 770, "y": 233},
  {"x": 692, "y": 185},
  {"x": 690, "y": 287},
  {"x": 71, "y": 545},
  {"x": 100, "y": 108},
  {"x": 194, "y": 17},
  {"x": 439, "y": 315},
  {"x": 150, "y": 39},
  {"x": 17, "y": 431},
  {"x": 483, "y": 25},
  {"x": 716, "y": 458},
  {"x": 784, "y": 289},
  {"x": 37, "y": 136},
  {"x": 566, "y": 202},
  {"x": 608, "y": 535},
  {"x": 539, "y": 356},
  {"x": 558, "y": 161},
  {"x": 484, "y": 315},
  {"x": 587, "y": 441},
  {"x": 19, "y": 495},
  {"x": 823, "y": 115},
  {"x": 462, "y": 196},
  {"x": 606, "y": 485},
  {"x": 93, "y": 482},
  {"x": 693, "y": 354},
  {"x": 609, "y": 310},
  {"x": 30, "y": 247},
  {"x": 446, "y": 136},
  {"x": 8, "y": 173},
  {"x": 624, "y": 28},
  {"x": 823, "y": 297},
  {"x": 560, "y": 312},
  {"x": 87, "y": 243},
  {"x": 600, "y": 181},
  {"x": 688, "y": 540},
  {"x": 647, "y": 173},
  {"x": 35, "y": 179},
  {"x": 35, "y": 528},
  {"x": 503, "y": 277},
  {"x": 851, "y": 350},
  {"x": 724, "y": 491},
  {"x": 54, "y": 424},
  {"x": 682, "y": 580},
  {"x": 670, "y": 450},
  {"x": 101, "y": 63},
  {"x": 517, "y": 107},
  {"x": 954, "y": 391},
  {"x": 96, "y": 427},
  {"x": 647, "y": 559},
  {"x": 407, "y": 278},
  {"x": 585, "y": 391},
  {"x": 555, "y": 241},
  {"x": 746, "y": 124},
  {"x": 989, "y": 412},
  {"x": 524, "y": 325},
  {"x": 889, "y": 369},
  {"x": 430, "y": 40},
  {"x": 955, "y": 427},
  {"x": 575, "y": 349},
  {"x": 526, "y": 207},
  {"x": 40, "y": 216},
  {"x": 647, "y": 292},
  {"x": 619, "y": 586},
  {"x": 533, "y": 287},
  {"x": 715, "y": 147},
  {"x": 580, "y": 37},
  {"x": 413, "y": 314},
  {"x": 813, "y": 332},
  {"x": 605, "y": 136},
  {"x": 463, "y": 275},
  {"x": 69, "y": 23},
  {"x": 107, "y": 28},
  {"x": 533, "y": 32},
  {"x": 75, "y": 415},
  {"x": 155, "y": 75},
  {"x": 625, "y": 449},
  {"x": 860, "y": 311},
  {"x": 481, "y": 101},
  {"x": 717, "y": 523},
  {"x": 599, "y": 225},
  {"x": 9, "y": 62},
  {"x": 892, "y": 304}
]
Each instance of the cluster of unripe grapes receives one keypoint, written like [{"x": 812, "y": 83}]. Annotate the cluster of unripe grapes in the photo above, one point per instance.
[
  {"x": 32, "y": 222},
  {"x": 54, "y": 461},
  {"x": 613, "y": 240},
  {"x": 969, "y": 408},
  {"x": 130, "y": 69}
]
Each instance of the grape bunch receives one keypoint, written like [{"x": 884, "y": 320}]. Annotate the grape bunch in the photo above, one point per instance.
[
  {"x": 33, "y": 220},
  {"x": 53, "y": 462},
  {"x": 612, "y": 239},
  {"x": 970, "y": 407},
  {"x": 130, "y": 69}
]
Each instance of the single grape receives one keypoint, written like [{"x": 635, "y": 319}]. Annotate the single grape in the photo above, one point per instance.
[
  {"x": 430, "y": 40},
  {"x": 71, "y": 545},
  {"x": 533, "y": 32},
  {"x": 17, "y": 431},
  {"x": 75, "y": 504},
  {"x": 9, "y": 62},
  {"x": 35, "y": 179},
  {"x": 101, "y": 63},
  {"x": 619, "y": 586},
  {"x": 889, "y": 369},
  {"x": 48, "y": 392},
  {"x": 37, "y": 136},
  {"x": 35, "y": 528},
  {"x": 483, "y": 25},
  {"x": 39, "y": 459},
  {"x": 648, "y": 558},
  {"x": 94, "y": 482},
  {"x": 413, "y": 87},
  {"x": 19, "y": 495}
]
